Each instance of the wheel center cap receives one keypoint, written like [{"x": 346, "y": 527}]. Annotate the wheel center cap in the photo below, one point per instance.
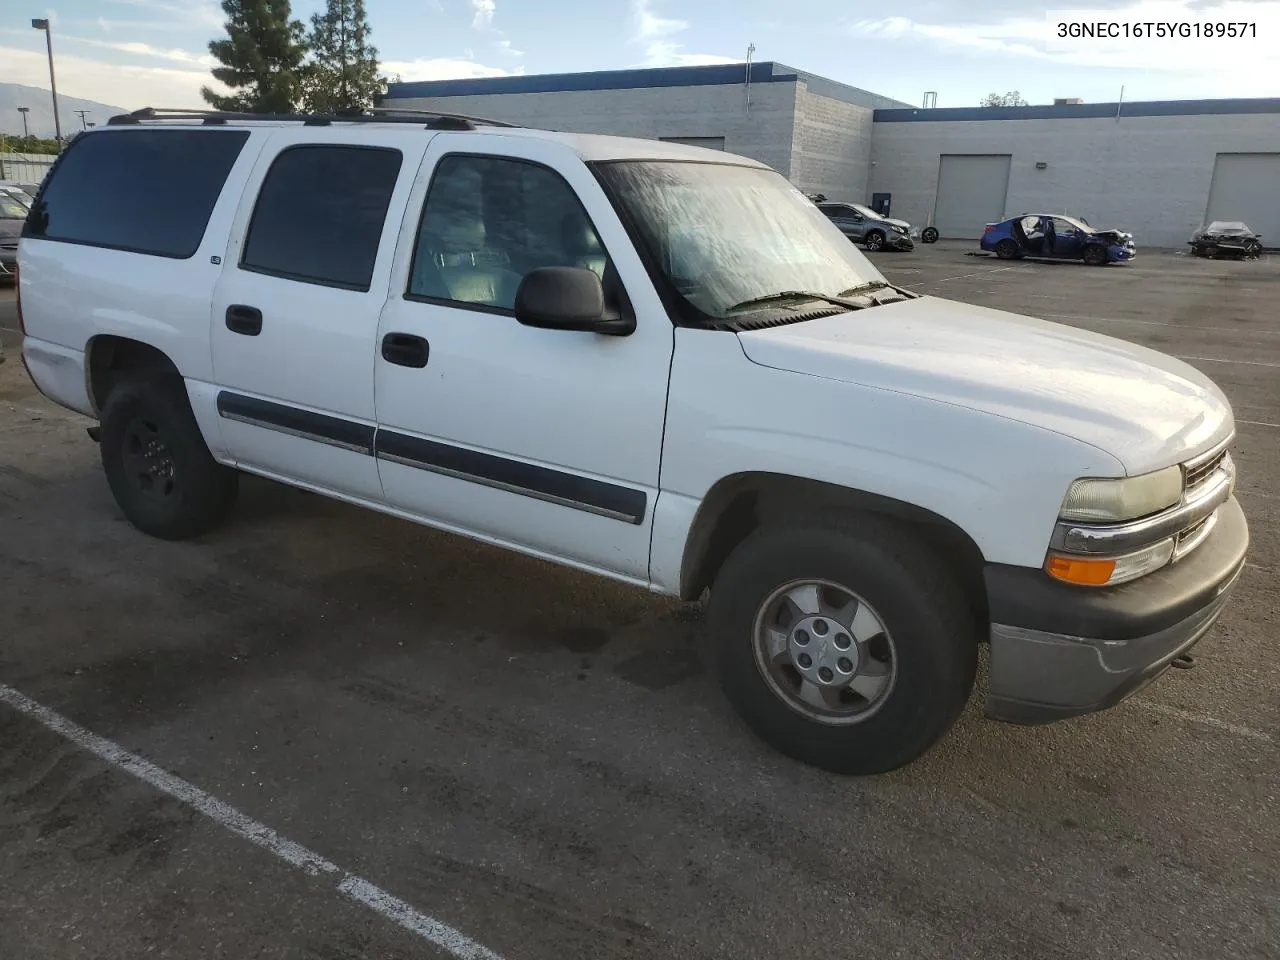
[{"x": 823, "y": 651}]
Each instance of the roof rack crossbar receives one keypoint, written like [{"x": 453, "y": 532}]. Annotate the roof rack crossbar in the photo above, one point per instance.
[{"x": 434, "y": 119}]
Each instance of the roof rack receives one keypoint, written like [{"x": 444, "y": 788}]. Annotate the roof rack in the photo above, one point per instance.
[{"x": 434, "y": 120}]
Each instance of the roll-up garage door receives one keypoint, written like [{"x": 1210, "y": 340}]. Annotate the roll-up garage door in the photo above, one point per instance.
[
  {"x": 1246, "y": 186},
  {"x": 971, "y": 193}
]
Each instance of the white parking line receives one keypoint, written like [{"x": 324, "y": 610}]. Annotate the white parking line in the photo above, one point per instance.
[
  {"x": 1252, "y": 363},
  {"x": 1258, "y": 423},
  {"x": 1156, "y": 323},
  {"x": 353, "y": 887},
  {"x": 965, "y": 276},
  {"x": 1235, "y": 728}
]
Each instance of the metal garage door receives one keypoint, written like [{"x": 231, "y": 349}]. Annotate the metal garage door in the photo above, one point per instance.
[
  {"x": 971, "y": 193},
  {"x": 1246, "y": 186}
]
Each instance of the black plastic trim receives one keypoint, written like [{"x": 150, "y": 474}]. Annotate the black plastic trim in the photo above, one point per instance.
[
  {"x": 1031, "y": 599},
  {"x": 572, "y": 490},
  {"x": 348, "y": 434}
]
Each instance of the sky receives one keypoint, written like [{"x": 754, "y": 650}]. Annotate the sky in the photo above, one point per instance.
[{"x": 137, "y": 53}]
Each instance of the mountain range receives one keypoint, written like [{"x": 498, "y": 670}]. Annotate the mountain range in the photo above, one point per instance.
[{"x": 40, "y": 117}]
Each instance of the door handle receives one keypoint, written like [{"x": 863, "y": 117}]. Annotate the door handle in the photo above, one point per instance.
[
  {"x": 405, "y": 349},
  {"x": 244, "y": 319}
]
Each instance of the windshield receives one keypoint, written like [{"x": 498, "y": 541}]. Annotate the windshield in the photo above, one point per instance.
[
  {"x": 724, "y": 234},
  {"x": 865, "y": 211}
]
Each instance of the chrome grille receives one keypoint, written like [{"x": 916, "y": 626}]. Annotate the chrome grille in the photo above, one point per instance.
[{"x": 1198, "y": 473}]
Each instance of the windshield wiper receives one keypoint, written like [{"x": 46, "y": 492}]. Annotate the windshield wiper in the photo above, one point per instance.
[
  {"x": 796, "y": 295},
  {"x": 866, "y": 289}
]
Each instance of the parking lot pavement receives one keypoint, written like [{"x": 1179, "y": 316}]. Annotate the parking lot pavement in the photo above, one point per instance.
[{"x": 540, "y": 761}]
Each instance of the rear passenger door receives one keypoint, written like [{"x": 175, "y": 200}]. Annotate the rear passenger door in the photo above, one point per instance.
[{"x": 295, "y": 312}]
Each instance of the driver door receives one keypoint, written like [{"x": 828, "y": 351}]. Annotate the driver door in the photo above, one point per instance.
[
  {"x": 1067, "y": 242},
  {"x": 547, "y": 441}
]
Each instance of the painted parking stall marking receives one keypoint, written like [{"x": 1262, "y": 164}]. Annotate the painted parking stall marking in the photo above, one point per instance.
[{"x": 350, "y": 886}]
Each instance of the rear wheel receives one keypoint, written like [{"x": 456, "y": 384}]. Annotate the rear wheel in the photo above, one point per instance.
[
  {"x": 1006, "y": 249},
  {"x": 1096, "y": 255},
  {"x": 161, "y": 473},
  {"x": 929, "y": 235},
  {"x": 874, "y": 240},
  {"x": 845, "y": 644}
]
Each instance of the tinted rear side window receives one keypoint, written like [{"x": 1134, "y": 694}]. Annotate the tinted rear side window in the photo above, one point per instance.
[
  {"x": 320, "y": 213},
  {"x": 147, "y": 191}
]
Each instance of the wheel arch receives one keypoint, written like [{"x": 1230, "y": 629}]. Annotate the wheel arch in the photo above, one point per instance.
[
  {"x": 108, "y": 356},
  {"x": 740, "y": 503}
]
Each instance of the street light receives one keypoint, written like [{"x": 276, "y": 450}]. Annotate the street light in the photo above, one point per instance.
[
  {"x": 53, "y": 86},
  {"x": 24, "y": 111}
]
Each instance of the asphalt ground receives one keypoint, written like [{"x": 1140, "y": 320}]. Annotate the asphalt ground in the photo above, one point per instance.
[{"x": 539, "y": 761}]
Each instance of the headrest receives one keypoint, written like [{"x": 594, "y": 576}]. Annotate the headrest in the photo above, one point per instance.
[{"x": 577, "y": 236}]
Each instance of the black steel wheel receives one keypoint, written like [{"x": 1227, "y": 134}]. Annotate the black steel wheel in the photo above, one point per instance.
[{"x": 929, "y": 235}]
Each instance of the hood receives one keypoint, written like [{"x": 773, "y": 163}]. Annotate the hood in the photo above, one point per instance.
[
  {"x": 893, "y": 221},
  {"x": 1118, "y": 234},
  {"x": 1145, "y": 408}
]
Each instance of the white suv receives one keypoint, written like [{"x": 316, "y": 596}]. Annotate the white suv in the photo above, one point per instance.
[{"x": 652, "y": 362}]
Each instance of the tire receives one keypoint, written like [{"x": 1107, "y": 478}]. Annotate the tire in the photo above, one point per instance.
[
  {"x": 874, "y": 240},
  {"x": 928, "y": 634},
  {"x": 929, "y": 235},
  {"x": 1095, "y": 255},
  {"x": 176, "y": 490},
  {"x": 1253, "y": 250},
  {"x": 1007, "y": 249}
]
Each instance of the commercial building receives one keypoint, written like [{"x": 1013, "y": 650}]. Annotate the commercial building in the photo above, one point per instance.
[{"x": 1159, "y": 168}]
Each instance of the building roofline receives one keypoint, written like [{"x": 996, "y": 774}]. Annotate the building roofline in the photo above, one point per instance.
[
  {"x": 1084, "y": 111},
  {"x": 720, "y": 74}
]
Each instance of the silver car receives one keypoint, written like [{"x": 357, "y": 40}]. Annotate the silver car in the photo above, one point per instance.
[{"x": 863, "y": 225}]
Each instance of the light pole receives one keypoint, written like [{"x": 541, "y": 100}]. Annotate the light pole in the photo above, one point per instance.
[
  {"x": 24, "y": 111},
  {"x": 83, "y": 125},
  {"x": 53, "y": 84}
]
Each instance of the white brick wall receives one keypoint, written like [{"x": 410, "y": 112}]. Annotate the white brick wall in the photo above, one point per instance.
[
  {"x": 701, "y": 111},
  {"x": 831, "y": 150},
  {"x": 1150, "y": 175}
]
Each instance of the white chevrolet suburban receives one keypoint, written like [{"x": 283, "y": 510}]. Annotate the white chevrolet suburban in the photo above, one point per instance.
[{"x": 653, "y": 362}]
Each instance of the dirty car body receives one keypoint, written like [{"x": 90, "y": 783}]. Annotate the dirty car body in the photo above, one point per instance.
[{"x": 1056, "y": 237}]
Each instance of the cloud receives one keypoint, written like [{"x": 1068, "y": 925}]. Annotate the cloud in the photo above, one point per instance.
[
  {"x": 656, "y": 35},
  {"x": 1034, "y": 37},
  {"x": 128, "y": 85},
  {"x": 173, "y": 55},
  {"x": 445, "y": 68},
  {"x": 187, "y": 13},
  {"x": 506, "y": 47},
  {"x": 483, "y": 19}
]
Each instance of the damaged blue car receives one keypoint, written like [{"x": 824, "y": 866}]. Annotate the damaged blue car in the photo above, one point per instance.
[{"x": 1056, "y": 237}]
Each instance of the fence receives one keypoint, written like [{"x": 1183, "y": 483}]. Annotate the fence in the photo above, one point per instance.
[{"x": 25, "y": 167}]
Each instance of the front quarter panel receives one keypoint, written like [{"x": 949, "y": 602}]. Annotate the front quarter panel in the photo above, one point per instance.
[{"x": 999, "y": 480}]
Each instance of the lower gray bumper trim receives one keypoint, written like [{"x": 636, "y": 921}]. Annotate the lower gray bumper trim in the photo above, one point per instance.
[{"x": 1039, "y": 677}]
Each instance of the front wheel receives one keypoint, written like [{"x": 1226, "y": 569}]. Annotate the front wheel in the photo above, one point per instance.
[
  {"x": 874, "y": 240},
  {"x": 1095, "y": 255},
  {"x": 846, "y": 644},
  {"x": 929, "y": 235}
]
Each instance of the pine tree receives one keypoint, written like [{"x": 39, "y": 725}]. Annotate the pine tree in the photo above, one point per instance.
[
  {"x": 344, "y": 72},
  {"x": 261, "y": 56}
]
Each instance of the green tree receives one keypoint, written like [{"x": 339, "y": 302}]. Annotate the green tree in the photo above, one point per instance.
[
  {"x": 261, "y": 58},
  {"x": 343, "y": 74},
  {"x": 1011, "y": 99}
]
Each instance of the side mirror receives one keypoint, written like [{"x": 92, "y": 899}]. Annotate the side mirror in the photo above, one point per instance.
[{"x": 567, "y": 298}]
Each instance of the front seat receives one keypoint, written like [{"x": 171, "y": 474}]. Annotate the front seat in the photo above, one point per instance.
[
  {"x": 462, "y": 263},
  {"x": 582, "y": 245}
]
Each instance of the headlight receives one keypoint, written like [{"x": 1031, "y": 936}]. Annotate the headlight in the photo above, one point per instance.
[
  {"x": 897, "y": 229},
  {"x": 1092, "y": 499}
]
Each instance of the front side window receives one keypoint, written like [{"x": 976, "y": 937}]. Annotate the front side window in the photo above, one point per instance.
[
  {"x": 145, "y": 191},
  {"x": 488, "y": 221},
  {"x": 320, "y": 214},
  {"x": 725, "y": 234}
]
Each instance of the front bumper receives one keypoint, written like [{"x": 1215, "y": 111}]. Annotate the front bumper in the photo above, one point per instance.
[{"x": 1060, "y": 651}]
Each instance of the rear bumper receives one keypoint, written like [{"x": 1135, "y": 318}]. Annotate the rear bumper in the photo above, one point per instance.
[{"x": 1059, "y": 651}]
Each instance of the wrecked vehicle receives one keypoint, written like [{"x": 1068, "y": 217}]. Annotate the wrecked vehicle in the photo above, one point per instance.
[
  {"x": 1056, "y": 237},
  {"x": 1226, "y": 238}
]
